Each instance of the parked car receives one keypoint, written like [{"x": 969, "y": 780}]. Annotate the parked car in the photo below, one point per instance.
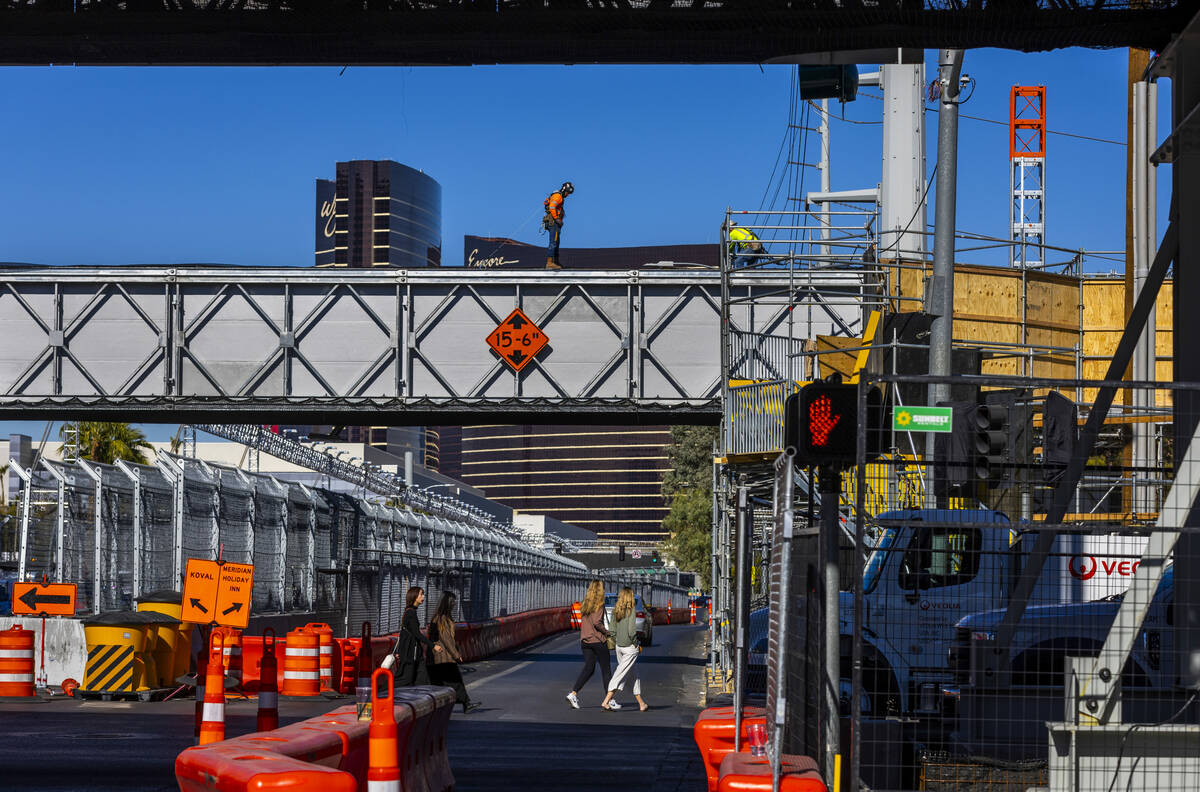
[{"x": 644, "y": 621}]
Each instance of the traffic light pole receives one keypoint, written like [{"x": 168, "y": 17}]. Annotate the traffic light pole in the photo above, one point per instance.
[{"x": 830, "y": 489}]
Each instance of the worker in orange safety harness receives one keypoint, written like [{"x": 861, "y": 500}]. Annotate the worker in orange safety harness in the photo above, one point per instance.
[{"x": 553, "y": 222}]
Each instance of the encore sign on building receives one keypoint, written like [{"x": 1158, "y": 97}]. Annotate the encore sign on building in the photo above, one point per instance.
[{"x": 517, "y": 339}]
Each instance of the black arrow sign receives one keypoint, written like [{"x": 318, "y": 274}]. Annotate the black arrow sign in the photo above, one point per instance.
[
  {"x": 31, "y": 599},
  {"x": 517, "y": 322},
  {"x": 196, "y": 604},
  {"x": 516, "y": 356},
  {"x": 237, "y": 606}
]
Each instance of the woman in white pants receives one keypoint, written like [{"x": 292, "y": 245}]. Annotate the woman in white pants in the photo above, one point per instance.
[{"x": 624, "y": 630}]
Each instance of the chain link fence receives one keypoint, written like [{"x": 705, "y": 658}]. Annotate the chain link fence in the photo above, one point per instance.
[
  {"x": 1022, "y": 614},
  {"x": 120, "y": 530}
]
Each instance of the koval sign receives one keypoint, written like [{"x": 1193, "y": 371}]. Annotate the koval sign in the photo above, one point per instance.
[{"x": 1085, "y": 567}]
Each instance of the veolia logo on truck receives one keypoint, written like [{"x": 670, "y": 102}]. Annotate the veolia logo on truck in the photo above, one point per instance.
[{"x": 1085, "y": 567}]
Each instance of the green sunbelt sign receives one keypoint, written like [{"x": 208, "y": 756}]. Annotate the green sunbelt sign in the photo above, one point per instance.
[{"x": 922, "y": 419}]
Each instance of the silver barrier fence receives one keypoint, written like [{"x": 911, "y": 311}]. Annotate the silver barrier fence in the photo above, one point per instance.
[{"x": 120, "y": 531}]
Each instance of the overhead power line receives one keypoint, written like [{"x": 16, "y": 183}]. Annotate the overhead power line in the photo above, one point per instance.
[{"x": 997, "y": 123}]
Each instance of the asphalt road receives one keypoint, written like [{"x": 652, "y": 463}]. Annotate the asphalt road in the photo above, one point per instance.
[{"x": 524, "y": 736}]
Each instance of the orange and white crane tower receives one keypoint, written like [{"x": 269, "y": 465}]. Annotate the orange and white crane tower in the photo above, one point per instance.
[{"x": 1027, "y": 165}]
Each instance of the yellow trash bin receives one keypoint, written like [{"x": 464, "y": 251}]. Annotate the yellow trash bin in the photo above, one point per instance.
[
  {"x": 162, "y": 637},
  {"x": 115, "y": 642},
  {"x": 172, "y": 654}
]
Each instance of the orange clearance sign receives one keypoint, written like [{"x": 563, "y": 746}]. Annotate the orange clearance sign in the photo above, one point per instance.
[
  {"x": 217, "y": 593},
  {"x": 517, "y": 339},
  {"x": 43, "y": 599}
]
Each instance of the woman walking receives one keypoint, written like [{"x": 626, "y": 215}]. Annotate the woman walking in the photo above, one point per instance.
[
  {"x": 593, "y": 640},
  {"x": 413, "y": 646},
  {"x": 624, "y": 629},
  {"x": 443, "y": 667}
]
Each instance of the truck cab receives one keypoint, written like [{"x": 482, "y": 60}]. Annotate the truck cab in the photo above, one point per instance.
[{"x": 930, "y": 568}]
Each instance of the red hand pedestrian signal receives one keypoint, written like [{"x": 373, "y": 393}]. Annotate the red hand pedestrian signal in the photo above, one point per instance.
[
  {"x": 821, "y": 420},
  {"x": 822, "y": 424}
]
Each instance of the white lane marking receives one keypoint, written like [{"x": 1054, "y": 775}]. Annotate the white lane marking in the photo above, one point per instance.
[
  {"x": 501, "y": 674},
  {"x": 507, "y": 671}
]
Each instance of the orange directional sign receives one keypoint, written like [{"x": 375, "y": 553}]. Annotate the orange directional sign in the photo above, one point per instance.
[
  {"x": 216, "y": 593},
  {"x": 43, "y": 599},
  {"x": 517, "y": 339},
  {"x": 233, "y": 595}
]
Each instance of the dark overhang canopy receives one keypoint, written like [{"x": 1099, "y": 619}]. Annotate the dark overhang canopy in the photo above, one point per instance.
[{"x": 411, "y": 32}]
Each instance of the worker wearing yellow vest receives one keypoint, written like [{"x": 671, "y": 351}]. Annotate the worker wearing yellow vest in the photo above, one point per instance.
[
  {"x": 556, "y": 211},
  {"x": 746, "y": 248}
]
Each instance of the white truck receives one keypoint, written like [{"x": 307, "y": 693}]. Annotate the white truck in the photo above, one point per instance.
[{"x": 932, "y": 567}]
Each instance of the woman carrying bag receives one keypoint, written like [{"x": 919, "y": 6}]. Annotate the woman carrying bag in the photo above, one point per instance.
[
  {"x": 443, "y": 666},
  {"x": 625, "y": 633},
  {"x": 412, "y": 645},
  {"x": 592, "y": 640}
]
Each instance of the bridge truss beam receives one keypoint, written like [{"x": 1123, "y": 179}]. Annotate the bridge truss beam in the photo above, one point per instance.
[{"x": 262, "y": 345}]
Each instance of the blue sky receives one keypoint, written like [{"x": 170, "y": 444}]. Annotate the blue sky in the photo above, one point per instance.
[{"x": 156, "y": 165}]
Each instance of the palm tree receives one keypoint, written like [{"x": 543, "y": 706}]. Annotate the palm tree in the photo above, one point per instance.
[{"x": 100, "y": 441}]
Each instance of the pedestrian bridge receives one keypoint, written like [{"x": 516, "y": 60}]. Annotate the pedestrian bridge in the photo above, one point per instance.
[{"x": 249, "y": 345}]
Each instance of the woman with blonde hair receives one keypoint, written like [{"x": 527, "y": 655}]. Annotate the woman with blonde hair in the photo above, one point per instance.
[
  {"x": 593, "y": 640},
  {"x": 624, "y": 630}
]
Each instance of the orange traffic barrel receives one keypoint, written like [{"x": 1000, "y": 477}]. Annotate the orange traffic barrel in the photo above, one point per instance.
[
  {"x": 302, "y": 664},
  {"x": 325, "y": 643},
  {"x": 576, "y": 616},
  {"x": 16, "y": 662}
]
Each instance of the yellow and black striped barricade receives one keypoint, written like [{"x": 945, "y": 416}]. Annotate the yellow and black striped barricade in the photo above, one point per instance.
[{"x": 115, "y": 641}]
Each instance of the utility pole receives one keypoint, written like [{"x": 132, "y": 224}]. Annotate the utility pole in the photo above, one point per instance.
[{"x": 941, "y": 292}]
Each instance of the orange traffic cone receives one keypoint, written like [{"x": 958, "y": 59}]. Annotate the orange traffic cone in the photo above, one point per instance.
[
  {"x": 692, "y": 609},
  {"x": 212, "y": 723},
  {"x": 364, "y": 657},
  {"x": 268, "y": 686},
  {"x": 383, "y": 749}
]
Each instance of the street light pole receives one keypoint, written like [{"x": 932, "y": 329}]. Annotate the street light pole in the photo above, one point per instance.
[{"x": 941, "y": 293}]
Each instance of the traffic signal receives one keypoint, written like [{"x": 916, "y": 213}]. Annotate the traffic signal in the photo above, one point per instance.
[
  {"x": 992, "y": 453},
  {"x": 654, "y": 556},
  {"x": 986, "y": 444},
  {"x": 1060, "y": 429},
  {"x": 821, "y": 424}
]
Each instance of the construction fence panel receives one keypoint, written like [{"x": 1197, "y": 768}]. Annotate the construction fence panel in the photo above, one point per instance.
[
  {"x": 235, "y": 517},
  {"x": 202, "y": 509},
  {"x": 157, "y": 529},
  {"x": 270, "y": 542},
  {"x": 300, "y": 559}
]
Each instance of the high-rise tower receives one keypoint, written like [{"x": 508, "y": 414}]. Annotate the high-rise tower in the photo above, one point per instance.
[{"x": 384, "y": 214}]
